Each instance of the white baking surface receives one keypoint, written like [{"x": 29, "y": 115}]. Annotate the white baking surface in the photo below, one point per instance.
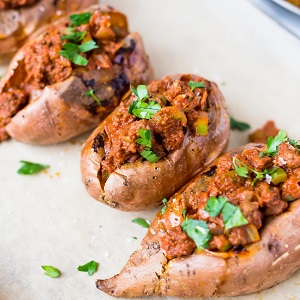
[{"x": 49, "y": 219}]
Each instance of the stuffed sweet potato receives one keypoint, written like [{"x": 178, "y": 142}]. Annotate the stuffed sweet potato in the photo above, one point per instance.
[
  {"x": 69, "y": 77},
  {"x": 155, "y": 142},
  {"x": 20, "y": 18},
  {"x": 233, "y": 230}
]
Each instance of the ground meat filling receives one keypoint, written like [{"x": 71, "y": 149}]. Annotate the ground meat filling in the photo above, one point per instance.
[
  {"x": 8, "y": 4},
  {"x": 43, "y": 65},
  {"x": 256, "y": 201},
  {"x": 168, "y": 125}
]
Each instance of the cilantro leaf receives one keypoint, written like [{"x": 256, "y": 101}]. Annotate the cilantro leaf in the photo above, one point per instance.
[
  {"x": 71, "y": 53},
  {"x": 235, "y": 124},
  {"x": 51, "y": 271},
  {"x": 142, "y": 222},
  {"x": 295, "y": 144},
  {"x": 145, "y": 138},
  {"x": 141, "y": 92},
  {"x": 90, "y": 267},
  {"x": 29, "y": 168},
  {"x": 195, "y": 84},
  {"x": 75, "y": 36},
  {"x": 79, "y": 19},
  {"x": 233, "y": 216},
  {"x": 240, "y": 170},
  {"x": 215, "y": 205},
  {"x": 91, "y": 93},
  {"x": 273, "y": 143},
  {"x": 144, "y": 110},
  {"x": 150, "y": 155},
  {"x": 198, "y": 231},
  {"x": 88, "y": 46},
  {"x": 163, "y": 210}
]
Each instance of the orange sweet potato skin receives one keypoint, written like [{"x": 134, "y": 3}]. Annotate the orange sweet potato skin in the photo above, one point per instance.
[
  {"x": 60, "y": 111},
  {"x": 142, "y": 185},
  {"x": 206, "y": 274},
  {"x": 18, "y": 24}
]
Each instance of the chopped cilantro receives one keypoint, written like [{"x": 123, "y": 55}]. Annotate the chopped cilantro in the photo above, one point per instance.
[
  {"x": 198, "y": 231},
  {"x": 273, "y": 143},
  {"x": 163, "y": 210},
  {"x": 142, "y": 222},
  {"x": 235, "y": 124},
  {"x": 150, "y": 155},
  {"x": 145, "y": 138},
  {"x": 79, "y": 19},
  {"x": 75, "y": 36},
  {"x": 91, "y": 93},
  {"x": 90, "y": 267},
  {"x": 231, "y": 214},
  {"x": 51, "y": 271},
  {"x": 195, "y": 84},
  {"x": 29, "y": 168}
]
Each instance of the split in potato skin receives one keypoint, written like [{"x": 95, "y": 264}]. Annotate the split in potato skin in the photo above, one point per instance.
[
  {"x": 168, "y": 261},
  {"x": 108, "y": 73},
  {"x": 188, "y": 129}
]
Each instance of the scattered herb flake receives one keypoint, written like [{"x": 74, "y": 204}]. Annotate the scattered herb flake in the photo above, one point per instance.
[
  {"x": 241, "y": 126},
  {"x": 215, "y": 205},
  {"x": 51, "y": 271},
  {"x": 29, "y": 168},
  {"x": 240, "y": 170},
  {"x": 163, "y": 210},
  {"x": 73, "y": 35},
  {"x": 144, "y": 110},
  {"x": 145, "y": 138},
  {"x": 195, "y": 84},
  {"x": 273, "y": 143},
  {"x": 150, "y": 155},
  {"x": 88, "y": 46},
  {"x": 141, "y": 92},
  {"x": 79, "y": 19},
  {"x": 198, "y": 231},
  {"x": 233, "y": 216},
  {"x": 142, "y": 222},
  {"x": 92, "y": 94},
  {"x": 90, "y": 267}
]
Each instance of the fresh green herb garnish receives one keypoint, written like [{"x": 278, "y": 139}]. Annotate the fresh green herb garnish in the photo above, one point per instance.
[
  {"x": 134, "y": 237},
  {"x": 242, "y": 170},
  {"x": 144, "y": 110},
  {"x": 73, "y": 35},
  {"x": 71, "y": 52},
  {"x": 231, "y": 214},
  {"x": 150, "y": 155},
  {"x": 29, "y": 168},
  {"x": 141, "y": 92},
  {"x": 145, "y": 138},
  {"x": 90, "y": 267},
  {"x": 215, "y": 205},
  {"x": 235, "y": 124},
  {"x": 141, "y": 109},
  {"x": 91, "y": 93},
  {"x": 51, "y": 271},
  {"x": 198, "y": 231},
  {"x": 273, "y": 143},
  {"x": 163, "y": 210},
  {"x": 184, "y": 212},
  {"x": 295, "y": 144},
  {"x": 142, "y": 222},
  {"x": 195, "y": 84},
  {"x": 79, "y": 19}
]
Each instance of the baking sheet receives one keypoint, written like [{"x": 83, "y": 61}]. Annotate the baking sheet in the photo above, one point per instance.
[{"x": 48, "y": 219}]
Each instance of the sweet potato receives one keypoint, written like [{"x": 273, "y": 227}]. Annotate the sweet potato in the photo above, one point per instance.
[
  {"x": 18, "y": 23},
  {"x": 243, "y": 270},
  {"x": 140, "y": 184},
  {"x": 53, "y": 105}
]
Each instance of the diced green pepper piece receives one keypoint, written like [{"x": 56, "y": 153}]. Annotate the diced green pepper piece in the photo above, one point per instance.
[{"x": 279, "y": 176}]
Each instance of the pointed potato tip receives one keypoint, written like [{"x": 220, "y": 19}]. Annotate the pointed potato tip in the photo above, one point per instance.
[{"x": 105, "y": 285}]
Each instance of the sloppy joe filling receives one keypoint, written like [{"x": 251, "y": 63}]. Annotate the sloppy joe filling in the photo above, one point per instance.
[
  {"x": 256, "y": 196},
  {"x": 44, "y": 65},
  {"x": 8, "y": 4},
  {"x": 179, "y": 110}
]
